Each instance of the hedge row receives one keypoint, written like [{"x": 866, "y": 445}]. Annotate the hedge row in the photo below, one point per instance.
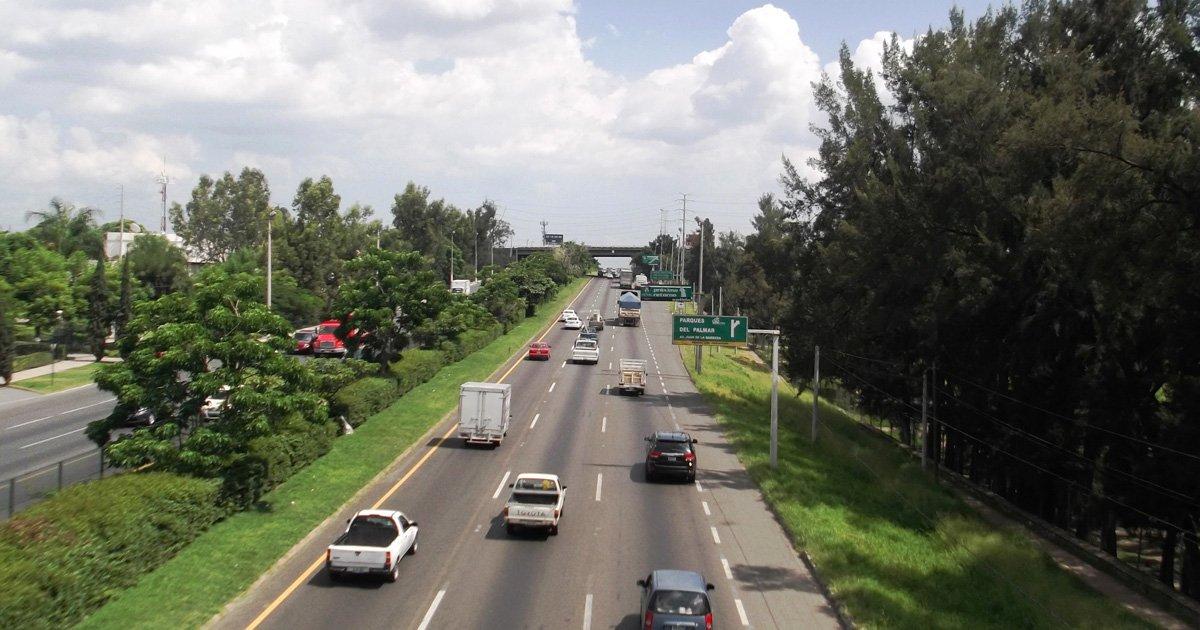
[
  {"x": 64, "y": 557},
  {"x": 271, "y": 459},
  {"x": 30, "y": 361},
  {"x": 367, "y": 396}
]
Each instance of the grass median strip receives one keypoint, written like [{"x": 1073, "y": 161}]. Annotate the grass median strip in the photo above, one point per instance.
[
  {"x": 192, "y": 587},
  {"x": 897, "y": 549},
  {"x": 63, "y": 379}
]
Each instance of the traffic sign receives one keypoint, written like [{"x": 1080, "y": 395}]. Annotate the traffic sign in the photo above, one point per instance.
[
  {"x": 661, "y": 274},
  {"x": 650, "y": 259},
  {"x": 708, "y": 330},
  {"x": 666, "y": 292}
]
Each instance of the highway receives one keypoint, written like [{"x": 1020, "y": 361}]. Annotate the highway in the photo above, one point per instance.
[
  {"x": 37, "y": 432},
  {"x": 615, "y": 528}
]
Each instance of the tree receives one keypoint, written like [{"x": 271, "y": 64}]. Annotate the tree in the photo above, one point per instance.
[
  {"x": 99, "y": 310},
  {"x": 158, "y": 264},
  {"x": 65, "y": 228},
  {"x": 500, "y": 297},
  {"x": 386, "y": 296},
  {"x": 184, "y": 347},
  {"x": 224, "y": 215},
  {"x": 7, "y": 343}
]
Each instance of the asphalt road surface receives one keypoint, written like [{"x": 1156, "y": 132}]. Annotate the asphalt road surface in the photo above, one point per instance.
[
  {"x": 615, "y": 527},
  {"x": 41, "y": 431}
]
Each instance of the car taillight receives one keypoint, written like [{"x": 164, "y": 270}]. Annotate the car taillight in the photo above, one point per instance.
[
  {"x": 328, "y": 556},
  {"x": 691, "y": 457},
  {"x": 505, "y": 512},
  {"x": 655, "y": 454},
  {"x": 708, "y": 621},
  {"x": 555, "y": 513},
  {"x": 387, "y": 559},
  {"x": 649, "y": 624}
]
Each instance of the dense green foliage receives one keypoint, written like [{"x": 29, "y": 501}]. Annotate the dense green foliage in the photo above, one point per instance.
[
  {"x": 64, "y": 557},
  {"x": 1019, "y": 209}
]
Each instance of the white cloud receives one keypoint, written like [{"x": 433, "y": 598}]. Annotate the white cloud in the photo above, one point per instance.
[
  {"x": 483, "y": 98},
  {"x": 868, "y": 55}
]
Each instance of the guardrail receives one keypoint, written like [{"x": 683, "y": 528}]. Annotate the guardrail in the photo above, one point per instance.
[{"x": 24, "y": 490}]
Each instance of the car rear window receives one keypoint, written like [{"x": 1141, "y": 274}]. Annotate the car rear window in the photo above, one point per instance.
[
  {"x": 327, "y": 330},
  {"x": 680, "y": 603},
  {"x": 585, "y": 344},
  {"x": 303, "y": 336},
  {"x": 535, "y": 484},
  {"x": 534, "y": 498},
  {"x": 672, "y": 447}
]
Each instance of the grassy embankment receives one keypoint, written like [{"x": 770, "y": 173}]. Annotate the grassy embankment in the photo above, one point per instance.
[
  {"x": 192, "y": 587},
  {"x": 897, "y": 549},
  {"x": 64, "y": 379}
]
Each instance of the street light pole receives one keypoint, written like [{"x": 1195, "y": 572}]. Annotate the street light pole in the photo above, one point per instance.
[
  {"x": 270, "y": 220},
  {"x": 54, "y": 343}
]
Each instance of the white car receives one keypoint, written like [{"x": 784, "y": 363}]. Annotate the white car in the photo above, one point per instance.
[
  {"x": 536, "y": 502},
  {"x": 214, "y": 405},
  {"x": 585, "y": 351},
  {"x": 567, "y": 314},
  {"x": 373, "y": 543},
  {"x": 573, "y": 323}
]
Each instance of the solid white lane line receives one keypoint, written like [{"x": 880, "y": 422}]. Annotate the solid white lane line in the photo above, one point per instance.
[
  {"x": 535, "y": 419},
  {"x": 17, "y": 426},
  {"x": 500, "y": 488},
  {"x": 604, "y": 424},
  {"x": 725, "y": 565},
  {"x": 432, "y": 609},
  {"x": 599, "y": 484},
  {"x": 706, "y": 512},
  {"x": 587, "y": 612},
  {"x": 716, "y": 537},
  {"x": 551, "y": 390},
  {"x": 55, "y": 437},
  {"x": 742, "y": 612},
  {"x": 86, "y": 406}
]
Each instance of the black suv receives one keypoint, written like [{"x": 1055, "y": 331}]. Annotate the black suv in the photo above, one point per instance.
[{"x": 670, "y": 453}]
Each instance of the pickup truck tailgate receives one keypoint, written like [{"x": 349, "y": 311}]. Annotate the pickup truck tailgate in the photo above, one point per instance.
[
  {"x": 530, "y": 513},
  {"x": 351, "y": 558}
]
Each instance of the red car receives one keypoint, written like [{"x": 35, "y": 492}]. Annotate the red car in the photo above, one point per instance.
[{"x": 539, "y": 350}]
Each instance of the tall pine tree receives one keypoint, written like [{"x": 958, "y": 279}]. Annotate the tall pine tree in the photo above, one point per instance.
[{"x": 99, "y": 312}]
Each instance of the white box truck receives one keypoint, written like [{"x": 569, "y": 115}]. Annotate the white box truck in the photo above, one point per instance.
[
  {"x": 464, "y": 287},
  {"x": 485, "y": 411}
]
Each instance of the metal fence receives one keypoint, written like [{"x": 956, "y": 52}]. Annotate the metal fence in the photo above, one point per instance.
[{"x": 22, "y": 491}]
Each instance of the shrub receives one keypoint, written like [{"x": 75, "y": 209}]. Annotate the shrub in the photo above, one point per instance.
[
  {"x": 30, "y": 361},
  {"x": 64, "y": 557},
  {"x": 363, "y": 398},
  {"x": 276, "y": 457},
  {"x": 416, "y": 367}
]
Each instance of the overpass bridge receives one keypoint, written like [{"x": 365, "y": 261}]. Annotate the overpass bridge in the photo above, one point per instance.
[{"x": 597, "y": 251}]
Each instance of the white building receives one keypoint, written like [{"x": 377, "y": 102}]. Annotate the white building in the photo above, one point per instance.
[{"x": 116, "y": 244}]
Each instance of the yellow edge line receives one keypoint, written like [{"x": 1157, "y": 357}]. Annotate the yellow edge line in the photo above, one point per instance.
[{"x": 411, "y": 471}]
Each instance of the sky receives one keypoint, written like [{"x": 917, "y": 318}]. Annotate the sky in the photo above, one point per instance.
[{"x": 592, "y": 116}]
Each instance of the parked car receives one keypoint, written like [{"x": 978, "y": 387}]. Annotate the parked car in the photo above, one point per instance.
[
  {"x": 674, "y": 599},
  {"x": 215, "y": 405},
  {"x": 326, "y": 342},
  {"x": 596, "y": 320},
  {"x": 536, "y": 502},
  {"x": 539, "y": 351},
  {"x": 373, "y": 543},
  {"x": 573, "y": 323},
  {"x": 303, "y": 340},
  {"x": 670, "y": 453},
  {"x": 567, "y": 314}
]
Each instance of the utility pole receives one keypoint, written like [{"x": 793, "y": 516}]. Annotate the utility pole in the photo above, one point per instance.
[
  {"x": 816, "y": 387},
  {"x": 162, "y": 182},
  {"x": 721, "y": 300},
  {"x": 700, "y": 294},
  {"x": 924, "y": 420},
  {"x": 683, "y": 241},
  {"x": 121, "y": 243},
  {"x": 270, "y": 274},
  {"x": 936, "y": 433},
  {"x": 774, "y": 392}
]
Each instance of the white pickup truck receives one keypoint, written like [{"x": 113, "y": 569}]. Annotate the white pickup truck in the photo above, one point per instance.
[
  {"x": 536, "y": 502},
  {"x": 372, "y": 544},
  {"x": 585, "y": 351}
]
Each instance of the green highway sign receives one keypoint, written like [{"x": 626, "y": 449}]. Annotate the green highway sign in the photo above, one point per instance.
[
  {"x": 649, "y": 259},
  {"x": 666, "y": 292},
  {"x": 662, "y": 274},
  {"x": 691, "y": 330}
]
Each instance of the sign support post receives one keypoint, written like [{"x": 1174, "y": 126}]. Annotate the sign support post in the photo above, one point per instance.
[{"x": 774, "y": 392}]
